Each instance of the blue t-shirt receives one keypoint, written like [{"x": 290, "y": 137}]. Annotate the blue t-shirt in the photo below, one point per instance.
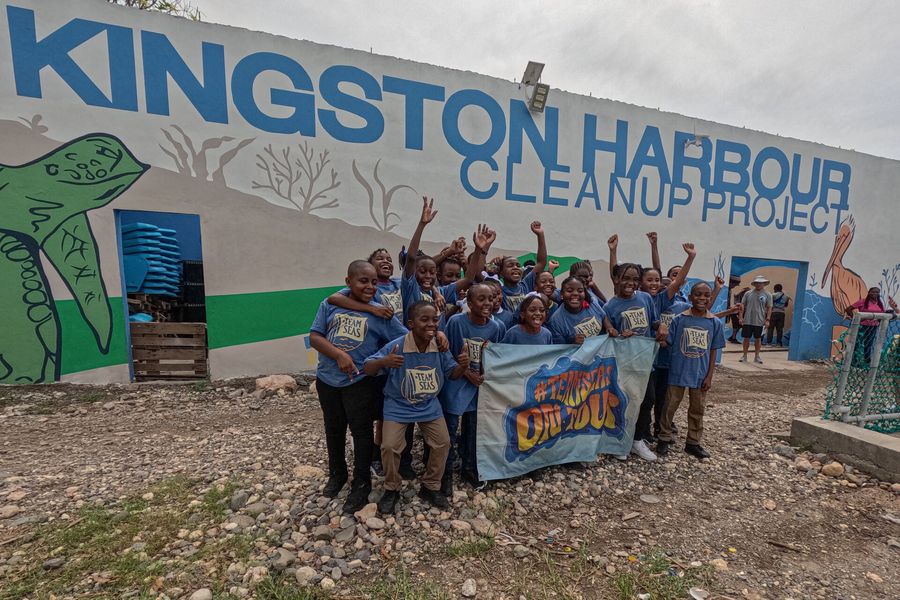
[
  {"x": 594, "y": 299},
  {"x": 518, "y": 335},
  {"x": 359, "y": 334},
  {"x": 565, "y": 325},
  {"x": 637, "y": 313},
  {"x": 692, "y": 339},
  {"x": 449, "y": 293},
  {"x": 506, "y": 317},
  {"x": 664, "y": 356},
  {"x": 459, "y": 396},
  {"x": 411, "y": 391},
  {"x": 514, "y": 294}
]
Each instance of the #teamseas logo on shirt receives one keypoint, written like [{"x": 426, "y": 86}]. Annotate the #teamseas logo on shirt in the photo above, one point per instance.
[
  {"x": 635, "y": 319},
  {"x": 419, "y": 383},
  {"x": 347, "y": 331},
  {"x": 666, "y": 319},
  {"x": 589, "y": 327},
  {"x": 475, "y": 345},
  {"x": 393, "y": 300},
  {"x": 694, "y": 342},
  {"x": 513, "y": 301}
]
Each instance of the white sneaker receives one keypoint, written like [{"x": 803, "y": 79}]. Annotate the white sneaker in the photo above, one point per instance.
[
  {"x": 621, "y": 456},
  {"x": 758, "y": 360},
  {"x": 640, "y": 448}
]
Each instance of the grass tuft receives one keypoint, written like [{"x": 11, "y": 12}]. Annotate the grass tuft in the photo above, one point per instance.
[
  {"x": 403, "y": 587},
  {"x": 655, "y": 575},
  {"x": 276, "y": 588},
  {"x": 473, "y": 546}
]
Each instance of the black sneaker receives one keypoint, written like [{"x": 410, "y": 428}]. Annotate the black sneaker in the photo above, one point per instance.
[
  {"x": 358, "y": 496},
  {"x": 388, "y": 502},
  {"x": 334, "y": 485},
  {"x": 662, "y": 448},
  {"x": 434, "y": 498},
  {"x": 696, "y": 450},
  {"x": 447, "y": 485},
  {"x": 650, "y": 438},
  {"x": 472, "y": 479},
  {"x": 407, "y": 472}
]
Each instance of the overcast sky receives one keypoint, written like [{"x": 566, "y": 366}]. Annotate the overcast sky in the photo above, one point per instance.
[{"x": 823, "y": 70}]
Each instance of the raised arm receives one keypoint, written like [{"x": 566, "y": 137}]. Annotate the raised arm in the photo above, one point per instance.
[
  {"x": 483, "y": 238},
  {"x": 613, "y": 243},
  {"x": 341, "y": 301},
  {"x": 683, "y": 273},
  {"x": 654, "y": 251},
  {"x": 540, "y": 261},
  {"x": 428, "y": 215}
]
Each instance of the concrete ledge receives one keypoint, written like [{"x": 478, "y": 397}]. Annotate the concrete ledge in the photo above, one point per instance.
[{"x": 870, "y": 451}]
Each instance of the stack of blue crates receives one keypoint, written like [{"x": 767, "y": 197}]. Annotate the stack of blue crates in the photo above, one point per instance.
[{"x": 151, "y": 260}]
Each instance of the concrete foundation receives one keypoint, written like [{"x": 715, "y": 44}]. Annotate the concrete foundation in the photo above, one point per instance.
[{"x": 870, "y": 451}]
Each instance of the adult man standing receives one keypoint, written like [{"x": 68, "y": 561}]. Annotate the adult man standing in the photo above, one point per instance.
[{"x": 756, "y": 315}]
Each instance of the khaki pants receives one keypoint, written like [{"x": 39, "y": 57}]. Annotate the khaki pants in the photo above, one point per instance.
[
  {"x": 695, "y": 413},
  {"x": 393, "y": 441}
]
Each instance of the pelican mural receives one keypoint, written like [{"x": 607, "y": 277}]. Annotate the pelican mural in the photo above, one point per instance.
[{"x": 846, "y": 286}]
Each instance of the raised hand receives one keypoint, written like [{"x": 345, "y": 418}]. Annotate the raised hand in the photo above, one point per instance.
[
  {"x": 484, "y": 237},
  {"x": 428, "y": 212},
  {"x": 553, "y": 265},
  {"x": 720, "y": 282},
  {"x": 394, "y": 360},
  {"x": 652, "y": 237},
  {"x": 537, "y": 228},
  {"x": 613, "y": 241},
  {"x": 689, "y": 248},
  {"x": 463, "y": 358},
  {"x": 458, "y": 246}
]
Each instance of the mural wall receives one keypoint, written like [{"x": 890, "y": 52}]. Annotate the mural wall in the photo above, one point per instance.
[{"x": 299, "y": 157}]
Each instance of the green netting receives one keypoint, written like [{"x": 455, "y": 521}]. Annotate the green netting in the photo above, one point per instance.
[{"x": 885, "y": 395}]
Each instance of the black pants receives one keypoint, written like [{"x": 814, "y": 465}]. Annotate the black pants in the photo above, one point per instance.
[
  {"x": 642, "y": 429},
  {"x": 659, "y": 379},
  {"x": 776, "y": 324},
  {"x": 351, "y": 406}
]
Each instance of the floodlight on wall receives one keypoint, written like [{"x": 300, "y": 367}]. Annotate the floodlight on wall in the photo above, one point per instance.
[
  {"x": 537, "y": 99},
  {"x": 697, "y": 140}
]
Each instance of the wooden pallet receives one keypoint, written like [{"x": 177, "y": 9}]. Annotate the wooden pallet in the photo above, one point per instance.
[{"x": 169, "y": 351}]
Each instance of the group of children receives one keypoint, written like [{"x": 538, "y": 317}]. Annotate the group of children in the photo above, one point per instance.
[{"x": 406, "y": 352}]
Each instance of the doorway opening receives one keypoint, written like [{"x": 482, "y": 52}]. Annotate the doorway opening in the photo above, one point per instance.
[
  {"x": 163, "y": 294},
  {"x": 790, "y": 277}
]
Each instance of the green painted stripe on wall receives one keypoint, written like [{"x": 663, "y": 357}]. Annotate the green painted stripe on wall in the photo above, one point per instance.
[
  {"x": 246, "y": 318},
  {"x": 79, "y": 347}
]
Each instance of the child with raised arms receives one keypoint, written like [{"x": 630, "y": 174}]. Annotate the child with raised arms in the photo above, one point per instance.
[
  {"x": 515, "y": 285},
  {"x": 416, "y": 372},
  {"x": 420, "y": 272},
  {"x": 459, "y": 398},
  {"x": 344, "y": 339},
  {"x": 694, "y": 336},
  {"x": 530, "y": 330},
  {"x": 577, "y": 319}
]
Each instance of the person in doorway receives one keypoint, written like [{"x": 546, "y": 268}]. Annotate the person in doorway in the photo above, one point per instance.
[
  {"x": 756, "y": 316},
  {"x": 734, "y": 299},
  {"x": 780, "y": 302}
]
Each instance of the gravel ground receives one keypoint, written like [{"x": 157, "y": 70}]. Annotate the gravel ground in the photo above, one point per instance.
[{"x": 757, "y": 520}]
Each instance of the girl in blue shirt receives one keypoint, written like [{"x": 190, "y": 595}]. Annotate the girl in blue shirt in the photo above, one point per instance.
[
  {"x": 577, "y": 319},
  {"x": 546, "y": 285},
  {"x": 530, "y": 330},
  {"x": 344, "y": 338}
]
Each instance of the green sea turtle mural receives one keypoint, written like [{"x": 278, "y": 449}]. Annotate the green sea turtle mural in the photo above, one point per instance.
[{"x": 42, "y": 210}]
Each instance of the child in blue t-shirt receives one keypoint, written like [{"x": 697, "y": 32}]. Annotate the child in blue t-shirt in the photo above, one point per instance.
[
  {"x": 515, "y": 285},
  {"x": 530, "y": 331},
  {"x": 694, "y": 336},
  {"x": 459, "y": 398},
  {"x": 585, "y": 272},
  {"x": 545, "y": 284},
  {"x": 420, "y": 272},
  {"x": 416, "y": 371},
  {"x": 504, "y": 318},
  {"x": 344, "y": 338},
  {"x": 577, "y": 319}
]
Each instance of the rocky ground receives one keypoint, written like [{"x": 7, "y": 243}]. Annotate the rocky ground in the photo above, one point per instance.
[{"x": 210, "y": 491}]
